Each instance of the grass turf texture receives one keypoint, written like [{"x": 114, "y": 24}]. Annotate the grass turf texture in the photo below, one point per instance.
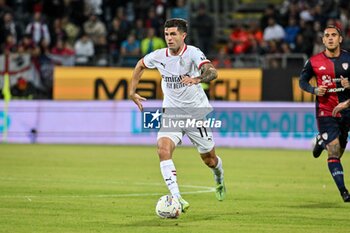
[{"x": 73, "y": 188}]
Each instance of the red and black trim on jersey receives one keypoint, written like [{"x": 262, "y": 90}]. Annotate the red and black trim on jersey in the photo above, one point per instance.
[
  {"x": 327, "y": 72},
  {"x": 202, "y": 63}
]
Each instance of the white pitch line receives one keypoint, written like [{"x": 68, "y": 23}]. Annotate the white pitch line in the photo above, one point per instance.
[{"x": 203, "y": 189}]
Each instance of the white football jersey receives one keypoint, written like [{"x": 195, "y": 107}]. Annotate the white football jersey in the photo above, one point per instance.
[{"x": 172, "y": 68}]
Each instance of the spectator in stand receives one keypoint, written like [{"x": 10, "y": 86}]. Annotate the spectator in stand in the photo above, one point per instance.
[
  {"x": 270, "y": 12},
  {"x": 75, "y": 11},
  {"x": 203, "y": 25},
  {"x": 62, "y": 48},
  {"x": 240, "y": 38},
  {"x": 130, "y": 51},
  {"x": 153, "y": 21},
  {"x": 117, "y": 32},
  {"x": 309, "y": 34},
  {"x": 4, "y": 8},
  {"x": 62, "y": 54},
  {"x": 101, "y": 51},
  {"x": 124, "y": 26},
  {"x": 222, "y": 60},
  {"x": 44, "y": 47},
  {"x": 57, "y": 32},
  {"x": 38, "y": 29},
  {"x": 26, "y": 45},
  {"x": 72, "y": 31},
  {"x": 9, "y": 26},
  {"x": 141, "y": 8},
  {"x": 291, "y": 32},
  {"x": 139, "y": 30},
  {"x": 292, "y": 12},
  {"x": 94, "y": 7},
  {"x": 273, "y": 47},
  {"x": 307, "y": 13},
  {"x": 53, "y": 10},
  {"x": 180, "y": 10},
  {"x": 84, "y": 50},
  {"x": 129, "y": 13},
  {"x": 300, "y": 46},
  {"x": 160, "y": 8},
  {"x": 256, "y": 47},
  {"x": 320, "y": 16},
  {"x": 273, "y": 31},
  {"x": 45, "y": 68},
  {"x": 255, "y": 32},
  {"x": 344, "y": 16},
  {"x": 94, "y": 28},
  {"x": 151, "y": 42},
  {"x": 318, "y": 46},
  {"x": 115, "y": 37},
  {"x": 334, "y": 21},
  {"x": 23, "y": 89},
  {"x": 285, "y": 49},
  {"x": 110, "y": 7},
  {"x": 10, "y": 45},
  {"x": 273, "y": 54}
]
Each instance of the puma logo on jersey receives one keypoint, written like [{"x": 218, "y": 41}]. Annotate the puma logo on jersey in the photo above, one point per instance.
[{"x": 163, "y": 65}]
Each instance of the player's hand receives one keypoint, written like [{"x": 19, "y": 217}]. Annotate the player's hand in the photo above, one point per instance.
[
  {"x": 320, "y": 90},
  {"x": 138, "y": 100},
  {"x": 340, "y": 107},
  {"x": 189, "y": 81},
  {"x": 344, "y": 82}
]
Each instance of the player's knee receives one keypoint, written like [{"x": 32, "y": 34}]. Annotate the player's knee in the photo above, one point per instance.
[
  {"x": 334, "y": 150},
  {"x": 209, "y": 161},
  {"x": 334, "y": 155},
  {"x": 164, "y": 153}
]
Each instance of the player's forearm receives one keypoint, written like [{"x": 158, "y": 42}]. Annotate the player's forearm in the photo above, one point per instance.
[
  {"x": 209, "y": 73},
  {"x": 136, "y": 76},
  {"x": 305, "y": 85}
]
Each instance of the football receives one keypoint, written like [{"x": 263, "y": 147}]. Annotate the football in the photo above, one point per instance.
[{"x": 168, "y": 207}]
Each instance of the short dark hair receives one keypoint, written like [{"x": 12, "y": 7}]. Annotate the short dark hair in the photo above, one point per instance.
[
  {"x": 181, "y": 24},
  {"x": 334, "y": 27}
]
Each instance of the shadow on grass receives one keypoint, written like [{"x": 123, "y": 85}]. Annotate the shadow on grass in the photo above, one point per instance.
[{"x": 180, "y": 222}]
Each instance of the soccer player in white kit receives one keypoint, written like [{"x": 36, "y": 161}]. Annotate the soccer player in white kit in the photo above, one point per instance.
[{"x": 183, "y": 68}]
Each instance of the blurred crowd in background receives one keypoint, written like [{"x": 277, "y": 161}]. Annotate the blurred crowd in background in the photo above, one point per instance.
[{"x": 118, "y": 32}]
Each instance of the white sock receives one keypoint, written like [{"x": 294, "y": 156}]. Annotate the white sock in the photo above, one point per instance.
[
  {"x": 218, "y": 171},
  {"x": 168, "y": 171}
]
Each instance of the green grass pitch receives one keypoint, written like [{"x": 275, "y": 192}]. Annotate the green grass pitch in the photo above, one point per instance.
[{"x": 86, "y": 189}]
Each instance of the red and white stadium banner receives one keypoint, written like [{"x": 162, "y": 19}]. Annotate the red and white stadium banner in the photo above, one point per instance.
[{"x": 17, "y": 66}]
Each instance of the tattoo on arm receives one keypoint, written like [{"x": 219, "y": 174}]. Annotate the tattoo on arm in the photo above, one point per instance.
[{"x": 208, "y": 73}]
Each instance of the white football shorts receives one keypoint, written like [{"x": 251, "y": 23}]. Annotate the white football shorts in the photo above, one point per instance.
[{"x": 202, "y": 138}]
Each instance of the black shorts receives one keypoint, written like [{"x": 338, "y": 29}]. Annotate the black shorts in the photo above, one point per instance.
[{"x": 331, "y": 128}]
